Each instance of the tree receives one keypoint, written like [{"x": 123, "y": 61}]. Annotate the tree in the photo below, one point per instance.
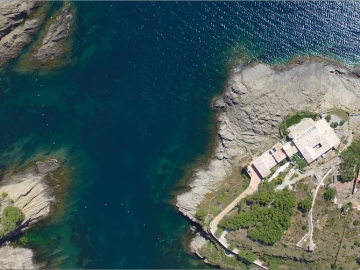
[
  {"x": 329, "y": 194},
  {"x": 14, "y": 214},
  {"x": 7, "y": 226},
  {"x": 334, "y": 124},
  {"x": 342, "y": 122},
  {"x": 305, "y": 205},
  {"x": 358, "y": 260},
  {"x": 200, "y": 214},
  {"x": 251, "y": 257},
  {"x": 328, "y": 118}
]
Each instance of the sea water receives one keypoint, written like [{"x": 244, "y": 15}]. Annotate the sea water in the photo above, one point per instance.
[{"x": 131, "y": 116}]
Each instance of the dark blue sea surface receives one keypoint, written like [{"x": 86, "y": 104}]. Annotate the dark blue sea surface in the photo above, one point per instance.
[{"x": 131, "y": 116}]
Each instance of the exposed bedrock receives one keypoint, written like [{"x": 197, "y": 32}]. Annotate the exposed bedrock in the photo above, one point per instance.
[
  {"x": 16, "y": 258},
  {"x": 31, "y": 191},
  {"x": 51, "y": 45},
  {"x": 17, "y": 26}
]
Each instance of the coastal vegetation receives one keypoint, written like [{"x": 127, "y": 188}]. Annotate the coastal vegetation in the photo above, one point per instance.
[
  {"x": 266, "y": 216},
  {"x": 200, "y": 214},
  {"x": 11, "y": 217},
  {"x": 350, "y": 161}
]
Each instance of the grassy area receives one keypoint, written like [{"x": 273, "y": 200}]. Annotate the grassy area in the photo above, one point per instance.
[
  {"x": 295, "y": 119},
  {"x": 340, "y": 113}
]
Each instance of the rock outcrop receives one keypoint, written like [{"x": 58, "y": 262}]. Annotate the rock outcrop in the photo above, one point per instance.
[
  {"x": 30, "y": 190},
  {"x": 255, "y": 101},
  {"x": 17, "y": 26},
  {"x": 16, "y": 258},
  {"x": 197, "y": 243},
  {"x": 51, "y": 46}
]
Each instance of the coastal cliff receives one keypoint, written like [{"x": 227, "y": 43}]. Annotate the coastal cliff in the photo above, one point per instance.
[
  {"x": 250, "y": 112},
  {"x": 32, "y": 192}
]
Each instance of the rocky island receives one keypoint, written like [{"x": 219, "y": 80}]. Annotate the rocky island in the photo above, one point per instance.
[
  {"x": 257, "y": 101},
  {"x": 31, "y": 191}
]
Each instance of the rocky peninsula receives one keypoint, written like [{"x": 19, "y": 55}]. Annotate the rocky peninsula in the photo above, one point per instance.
[
  {"x": 32, "y": 191},
  {"x": 256, "y": 100}
]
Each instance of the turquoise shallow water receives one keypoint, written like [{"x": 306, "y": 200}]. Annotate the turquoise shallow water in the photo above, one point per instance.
[{"x": 132, "y": 115}]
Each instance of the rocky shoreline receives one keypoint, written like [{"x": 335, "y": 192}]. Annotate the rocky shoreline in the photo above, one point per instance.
[
  {"x": 31, "y": 191},
  {"x": 250, "y": 112}
]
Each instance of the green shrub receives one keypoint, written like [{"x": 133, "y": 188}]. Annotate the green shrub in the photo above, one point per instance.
[
  {"x": 14, "y": 214},
  {"x": 231, "y": 247},
  {"x": 329, "y": 194},
  {"x": 218, "y": 232},
  {"x": 334, "y": 124},
  {"x": 7, "y": 226},
  {"x": 350, "y": 161},
  {"x": 3, "y": 195},
  {"x": 305, "y": 205},
  {"x": 200, "y": 214},
  {"x": 342, "y": 122},
  {"x": 356, "y": 222},
  {"x": 328, "y": 118},
  {"x": 251, "y": 257}
]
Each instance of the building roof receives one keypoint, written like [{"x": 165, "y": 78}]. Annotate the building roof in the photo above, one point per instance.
[
  {"x": 269, "y": 159},
  {"x": 261, "y": 167},
  {"x": 290, "y": 149},
  {"x": 298, "y": 129},
  {"x": 315, "y": 140},
  {"x": 278, "y": 152}
]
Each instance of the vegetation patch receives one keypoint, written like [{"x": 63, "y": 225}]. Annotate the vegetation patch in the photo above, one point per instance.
[
  {"x": 267, "y": 216},
  {"x": 329, "y": 194},
  {"x": 300, "y": 163},
  {"x": 11, "y": 216},
  {"x": 350, "y": 161},
  {"x": 305, "y": 205}
]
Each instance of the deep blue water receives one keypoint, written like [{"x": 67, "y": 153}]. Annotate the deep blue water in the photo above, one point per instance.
[{"x": 131, "y": 116}]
